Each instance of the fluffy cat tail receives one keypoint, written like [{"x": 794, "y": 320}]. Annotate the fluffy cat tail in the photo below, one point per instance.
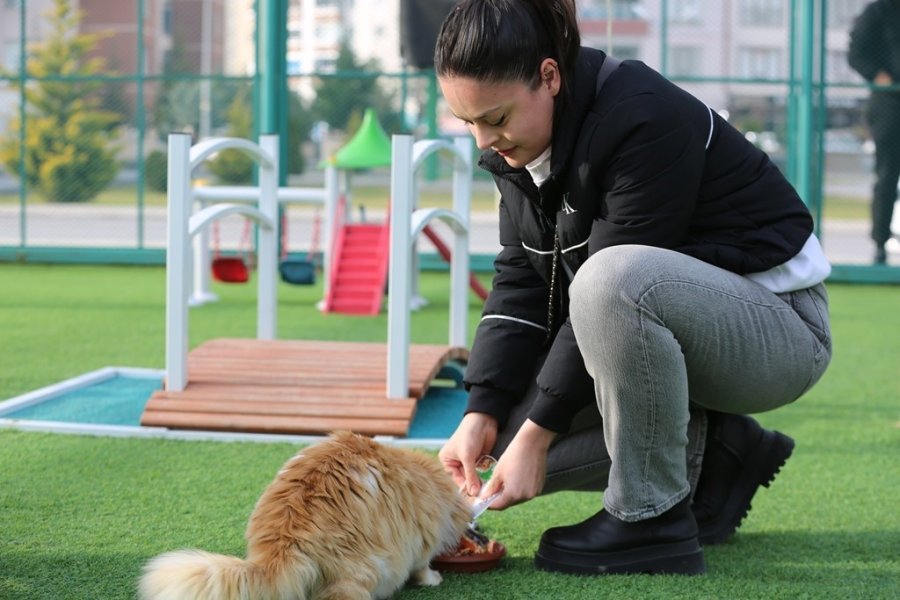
[{"x": 199, "y": 575}]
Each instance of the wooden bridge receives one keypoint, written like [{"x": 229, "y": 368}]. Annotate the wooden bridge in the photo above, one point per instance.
[{"x": 296, "y": 387}]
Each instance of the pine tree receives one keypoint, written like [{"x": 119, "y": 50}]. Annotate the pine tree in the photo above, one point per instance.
[{"x": 69, "y": 150}]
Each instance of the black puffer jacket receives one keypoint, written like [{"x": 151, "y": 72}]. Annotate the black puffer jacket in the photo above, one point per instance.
[
  {"x": 875, "y": 40},
  {"x": 643, "y": 163}
]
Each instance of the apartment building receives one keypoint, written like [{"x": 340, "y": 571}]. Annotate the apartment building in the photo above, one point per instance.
[
  {"x": 735, "y": 46},
  {"x": 240, "y": 37},
  {"x": 741, "y": 41}
]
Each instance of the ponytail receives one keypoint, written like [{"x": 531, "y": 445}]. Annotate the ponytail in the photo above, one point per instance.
[
  {"x": 506, "y": 40},
  {"x": 559, "y": 18}
]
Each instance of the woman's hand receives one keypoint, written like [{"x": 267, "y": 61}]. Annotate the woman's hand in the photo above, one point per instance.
[
  {"x": 883, "y": 78},
  {"x": 473, "y": 438},
  {"x": 521, "y": 471}
]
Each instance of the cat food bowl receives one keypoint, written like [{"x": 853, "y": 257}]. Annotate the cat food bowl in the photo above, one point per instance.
[
  {"x": 470, "y": 563},
  {"x": 474, "y": 554}
]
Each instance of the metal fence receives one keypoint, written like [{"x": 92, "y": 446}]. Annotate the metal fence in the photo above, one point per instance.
[{"x": 88, "y": 96}]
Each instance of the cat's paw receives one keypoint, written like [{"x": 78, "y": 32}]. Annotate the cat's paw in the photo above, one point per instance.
[{"x": 426, "y": 576}]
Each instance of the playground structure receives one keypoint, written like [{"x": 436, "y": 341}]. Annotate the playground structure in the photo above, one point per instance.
[
  {"x": 360, "y": 250},
  {"x": 354, "y": 255},
  {"x": 369, "y": 148},
  {"x": 324, "y": 199},
  {"x": 268, "y": 385}
]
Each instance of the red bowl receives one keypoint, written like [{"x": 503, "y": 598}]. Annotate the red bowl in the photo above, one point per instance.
[{"x": 470, "y": 563}]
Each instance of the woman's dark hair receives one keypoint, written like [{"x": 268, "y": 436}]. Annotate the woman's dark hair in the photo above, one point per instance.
[{"x": 506, "y": 40}]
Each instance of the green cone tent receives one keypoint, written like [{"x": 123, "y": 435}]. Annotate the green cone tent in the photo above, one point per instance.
[{"x": 370, "y": 147}]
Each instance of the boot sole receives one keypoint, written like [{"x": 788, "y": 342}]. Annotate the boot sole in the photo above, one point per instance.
[
  {"x": 679, "y": 558},
  {"x": 774, "y": 449}
]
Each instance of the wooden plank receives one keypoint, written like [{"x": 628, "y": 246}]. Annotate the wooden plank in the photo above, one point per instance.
[
  {"x": 319, "y": 363},
  {"x": 266, "y": 424},
  {"x": 289, "y": 394},
  {"x": 298, "y": 381},
  {"x": 360, "y": 350},
  {"x": 374, "y": 411},
  {"x": 295, "y": 386}
]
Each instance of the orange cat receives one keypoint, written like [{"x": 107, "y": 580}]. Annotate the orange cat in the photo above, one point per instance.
[{"x": 346, "y": 518}]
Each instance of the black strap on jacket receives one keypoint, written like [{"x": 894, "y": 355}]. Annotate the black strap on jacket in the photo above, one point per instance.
[{"x": 609, "y": 65}]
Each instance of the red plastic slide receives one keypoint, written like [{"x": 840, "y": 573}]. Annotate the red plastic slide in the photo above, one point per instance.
[{"x": 444, "y": 251}]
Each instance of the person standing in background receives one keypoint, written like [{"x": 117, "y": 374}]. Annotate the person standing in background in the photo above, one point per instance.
[{"x": 874, "y": 53}]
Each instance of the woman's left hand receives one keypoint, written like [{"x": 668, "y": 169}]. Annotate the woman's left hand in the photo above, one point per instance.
[{"x": 522, "y": 468}]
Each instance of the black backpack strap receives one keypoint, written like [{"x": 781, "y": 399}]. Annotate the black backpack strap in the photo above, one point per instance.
[{"x": 609, "y": 65}]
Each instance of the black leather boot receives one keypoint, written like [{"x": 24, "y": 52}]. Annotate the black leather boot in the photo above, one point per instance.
[
  {"x": 604, "y": 544},
  {"x": 739, "y": 457}
]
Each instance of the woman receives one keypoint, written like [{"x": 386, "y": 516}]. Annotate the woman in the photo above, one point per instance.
[{"x": 658, "y": 280}]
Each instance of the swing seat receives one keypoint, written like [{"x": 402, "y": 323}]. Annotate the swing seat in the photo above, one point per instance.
[
  {"x": 230, "y": 270},
  {"x": 297, "y": 272}
]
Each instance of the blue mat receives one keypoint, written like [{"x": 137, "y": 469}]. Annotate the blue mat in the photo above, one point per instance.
[
  {"x": 116, "y": 401},
  {"x": 120, "y": 400},
  {"x": 438, "y": 413}
]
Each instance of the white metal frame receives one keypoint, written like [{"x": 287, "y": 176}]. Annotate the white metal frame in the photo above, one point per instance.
[
  {"x": 183, "y": 226},
  {"x": 205, "y": 195},
  {"x": 405, "y": 226}
]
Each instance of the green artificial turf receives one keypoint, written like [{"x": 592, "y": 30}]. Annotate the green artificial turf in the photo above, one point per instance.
[
  {"x": 58, "y": 321},
  {"x": 80, "y": 515}
]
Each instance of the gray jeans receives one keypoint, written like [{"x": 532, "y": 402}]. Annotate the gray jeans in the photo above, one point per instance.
[{"x": 666, "y": 336}]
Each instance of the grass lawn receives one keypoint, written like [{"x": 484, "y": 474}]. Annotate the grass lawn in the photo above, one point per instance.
[{"x": 80, "y": 515}]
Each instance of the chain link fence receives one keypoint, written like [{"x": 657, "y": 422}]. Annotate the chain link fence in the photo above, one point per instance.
[{"x": 89, "y": 90}]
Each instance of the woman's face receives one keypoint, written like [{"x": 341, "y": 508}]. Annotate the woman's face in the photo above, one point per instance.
[{"x": 511, "y": 118}]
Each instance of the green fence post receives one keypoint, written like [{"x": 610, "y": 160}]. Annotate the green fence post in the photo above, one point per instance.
[
  {"x": 431, "y": 162},
  {"x": 817, "y": 199},
  {"x": 140, "y": 123},
  {"x": 805, "y": 110},
  {"x": 271, "y": 51},
  {"x": 663, "y": 38},
  {"x": 23, "y": 182},
  {"x": 790, "y": 125}
]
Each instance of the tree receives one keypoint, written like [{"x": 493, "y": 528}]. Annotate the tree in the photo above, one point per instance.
[
  {"x": 299, "y": 124},
  {"x": 68, "y": 151},
  {"x": 231, "y": 165},
  {"x": 342, "y": 98},
  {"x": 177, "y": 100}
]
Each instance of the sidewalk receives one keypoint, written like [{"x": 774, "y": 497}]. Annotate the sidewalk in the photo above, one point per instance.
[{"x": 87, "y": 226}]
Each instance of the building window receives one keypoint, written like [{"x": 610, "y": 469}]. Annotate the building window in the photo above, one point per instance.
[
  {"x": 838, "y": 69},
  {"x": 325, "y": 65},
  {"x": 841, "y": 13},
  {"x": 685, "y": 12},
  {"x": 625, "y": 52},
  {"x": 762, "y": 13},
  {"x": 685, "y": 61},
  {"x": 11, "y": 56},
  {"x": 329, "y": 33},
  {"x": 623, "y": 10},
  {"x": 760, "y": 63}
]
